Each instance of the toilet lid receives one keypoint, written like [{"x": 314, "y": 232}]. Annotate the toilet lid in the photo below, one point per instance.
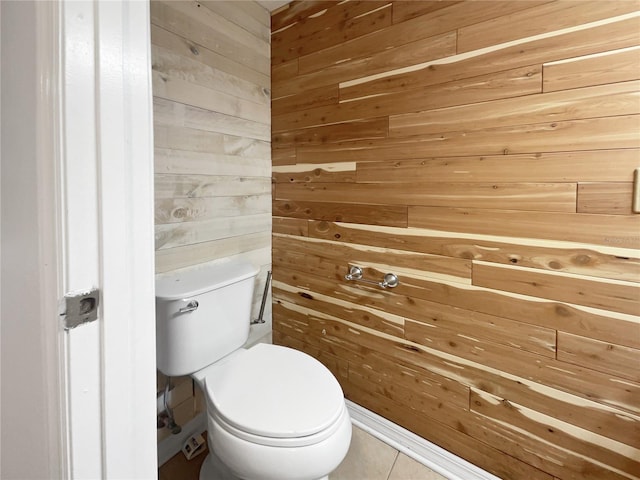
[{"x": 275, "y": 391}]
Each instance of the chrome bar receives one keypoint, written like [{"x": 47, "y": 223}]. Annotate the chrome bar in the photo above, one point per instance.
[{"x": 390, "y": 280}]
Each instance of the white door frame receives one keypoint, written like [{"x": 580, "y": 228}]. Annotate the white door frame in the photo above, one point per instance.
[{"x": 94, "y": 181}]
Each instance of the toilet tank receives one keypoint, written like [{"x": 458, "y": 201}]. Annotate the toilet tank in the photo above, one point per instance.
[{"x": 202, "y": 315}]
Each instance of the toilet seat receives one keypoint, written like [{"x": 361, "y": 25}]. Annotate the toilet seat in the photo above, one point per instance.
[{"x": 274, "y": 395}]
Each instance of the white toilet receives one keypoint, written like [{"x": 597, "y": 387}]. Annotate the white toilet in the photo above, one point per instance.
[{"x": 274, "y": 413}]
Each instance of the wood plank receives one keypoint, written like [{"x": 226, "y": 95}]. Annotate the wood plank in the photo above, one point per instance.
[
  {"x": 194, "y": 186},
  {"x": 339, "y": 132},
  {"x": 606, "y": 326},
  {"x": 598, "y": 69},
  {"x": 342, "y": 255},
  {"x": 290, "y": 226},
  {"x": 587, "y": 41},
  {"x": 574, "y": 167},
  {"x": 615, "y": 360},
  {"x": 559, "y": 197},
  {"x": 538, "y": 20},
  {"x": 284, "y": 71},
  {"x": 308, "y": 99},
  {"x": 436, "y": 22},
  {"x": 247, "y": 15},
  {"x": 178, "y": 210},
  {"x": 189, "y": 49},
  {"x": 329, "y": 27},
  {"x": 173, "y": 65},
  {"x": 406, "y": 10},
  {"x": 607, "y": 230},
  {"x": 447, "y": 323},
  {"x": 438, "y": 46},
  {"x": 598, "y": 101},
  {"x": 549, "y": 444},
  {"x": 180, "y": 234},
  {"x": 213, "y": 32},
  {"x": 203, "y": 163},
  {"x": 613, "y": 295},
  {"x": 494, "y": 86},
  {"x": 166, "y": 112},
  {"x": 181, "y": 138},
  {"x": 181, "y": 91},
  {"x": 589, "y": 134},
  {"x": 606, "y": 198},
  {"x": 187, "y": 255},
  {"x": 359, "y": 314},
  {"x": 350, "y": 338},
  {"x": 295, "y": 11},
  {"x": 392, "y": 215},
  {"x": 301, "y": 173},
  {"x": 592, "y": 260},
  {"x": 283, "y": 156}
]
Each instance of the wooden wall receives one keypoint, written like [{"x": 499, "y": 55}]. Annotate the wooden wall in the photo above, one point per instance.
[
  {"x": 212, "y": 119},
  {"x": 484, "y": 152}
]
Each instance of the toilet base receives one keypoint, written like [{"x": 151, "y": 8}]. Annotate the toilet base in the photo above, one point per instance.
[{"x": 213, "y": 469}]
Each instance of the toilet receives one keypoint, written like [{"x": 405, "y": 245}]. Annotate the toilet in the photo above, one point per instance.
[{"x": 273, "y": 413}]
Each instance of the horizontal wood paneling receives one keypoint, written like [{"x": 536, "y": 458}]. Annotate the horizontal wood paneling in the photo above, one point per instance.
[{"x": 507, "y": 133}]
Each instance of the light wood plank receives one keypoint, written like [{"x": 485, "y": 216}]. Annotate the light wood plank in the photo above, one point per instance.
[
  {"x": 559, "y": 197},
  {"x": 597, "y": 69},
  {"x": 177, "y": 66},
  {"x": 247, "y": 15},
  {"x": 605, "y": 357},
  {"x": 181, "y": 91},
  {"x": 195, "y": 140},
  {"x": 185, "y": 162},
  {"x": 613, "y": 295},
  {"x": 178, "y": 210},
  {"x": 198, "y": 186},
  {"x": 187, "y": 255},
  {"x": 606, "y": 198},
  {"x": 205, "y": 28},
  {"x": 579, "y": 166},
  {"x": 190, "y": 49},
  {"x": 406, "y": 10},
  {"x": 166, "y": 112},
  {"x": 535, "y": 21},
  {"x": 187, "y": 233},
  {"x": 333, "y": 172},
  {"x": 308, "y": 99}
]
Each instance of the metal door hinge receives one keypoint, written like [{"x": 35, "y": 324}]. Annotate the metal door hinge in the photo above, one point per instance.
[{"x": 80, "y": 307}]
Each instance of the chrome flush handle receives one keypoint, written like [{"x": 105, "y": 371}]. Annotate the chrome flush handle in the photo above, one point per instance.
[{"x": 191, "y": 306}]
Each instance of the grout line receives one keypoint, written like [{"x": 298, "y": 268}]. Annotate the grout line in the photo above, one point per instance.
[{"x": 395, "y": 460}]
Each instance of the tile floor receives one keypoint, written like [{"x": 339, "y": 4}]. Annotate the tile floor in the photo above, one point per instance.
[{"x": 368, "y": 459}]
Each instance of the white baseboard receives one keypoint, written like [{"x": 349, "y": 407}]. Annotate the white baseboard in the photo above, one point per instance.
[
  {"x": 171, "y": 445},
  {"x": 436, "y": 458}
]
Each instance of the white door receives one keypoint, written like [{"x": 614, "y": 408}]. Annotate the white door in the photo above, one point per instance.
[
  {"x": 107, "y": 175},
  {"x": 93, "y": 132}
]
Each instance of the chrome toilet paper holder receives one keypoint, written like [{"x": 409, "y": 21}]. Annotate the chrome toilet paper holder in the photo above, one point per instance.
[{"x": 390, "y": 280}]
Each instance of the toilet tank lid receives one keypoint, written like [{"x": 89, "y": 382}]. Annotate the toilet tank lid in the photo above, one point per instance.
[{"x": 201, "y": 279}]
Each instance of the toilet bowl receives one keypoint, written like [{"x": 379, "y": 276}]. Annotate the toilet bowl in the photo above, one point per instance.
[{"x": 273, "y": 413}]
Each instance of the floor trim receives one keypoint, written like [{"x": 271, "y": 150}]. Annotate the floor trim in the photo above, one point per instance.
[{"x": 436, "y": 458}]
